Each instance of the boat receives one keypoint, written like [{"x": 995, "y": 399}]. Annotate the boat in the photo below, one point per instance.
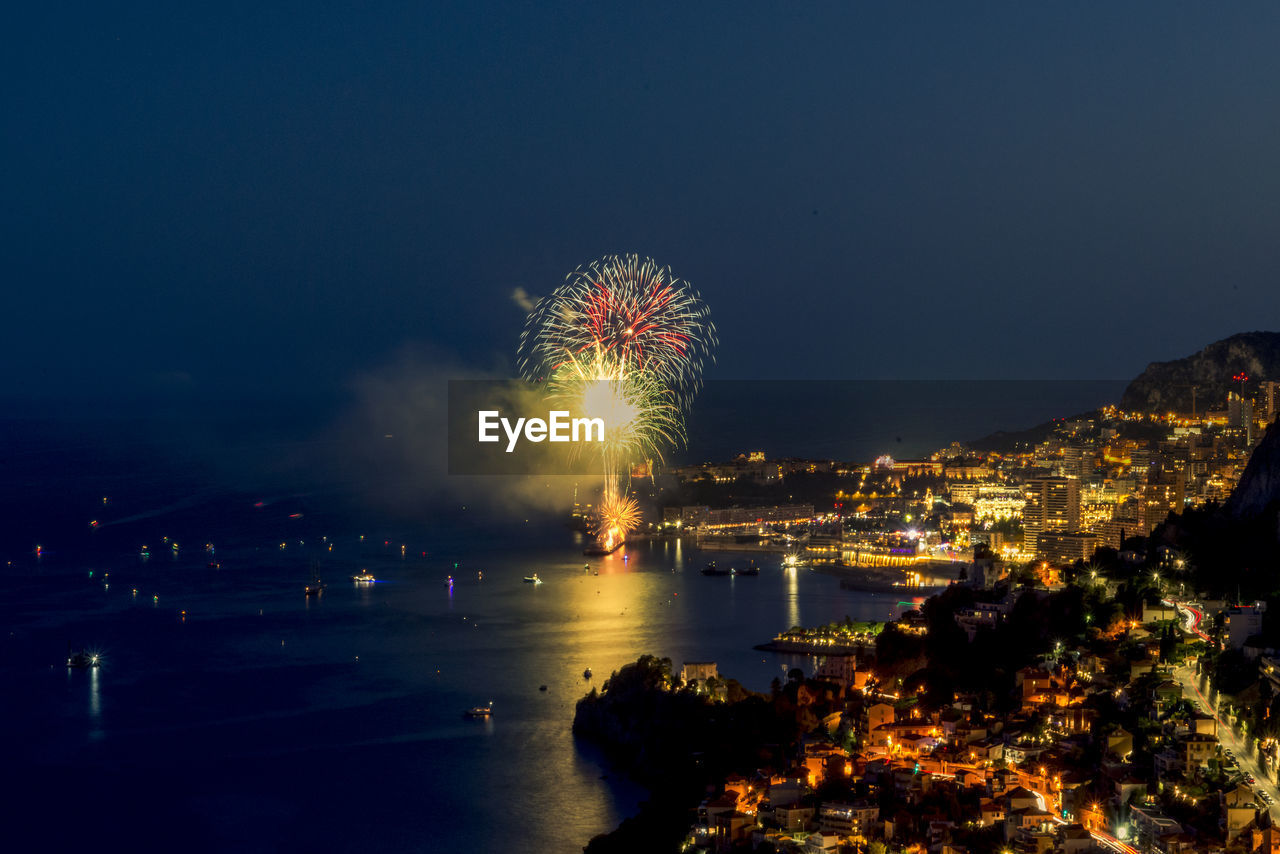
[
  {"x": 82, "y": 660},
  {"x": 712, "y": 569},
  {"x": 484, "y": 711},
  {"x": 365, "y": 577},
  {"x": 749, "y": 569},
  {"x": 586, "y": 674},
  {"x": 316, "y": 587},
  {"x": 532, "y": 579},
  {"x": 542, "y": 687},
  {"x": 599, "y": 549}
]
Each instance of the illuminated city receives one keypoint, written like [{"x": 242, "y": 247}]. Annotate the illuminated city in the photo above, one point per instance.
[{"x": 810, "y": 428}]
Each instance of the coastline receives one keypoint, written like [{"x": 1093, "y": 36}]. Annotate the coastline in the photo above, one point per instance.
[
  {"x": 836, "y": 650},
  {"x": 878, "y": 579}
]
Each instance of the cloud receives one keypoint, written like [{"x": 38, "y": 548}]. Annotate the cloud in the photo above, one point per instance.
[
  {"x": 524, "y": 299},
  {"x": 394, "y": 443}
]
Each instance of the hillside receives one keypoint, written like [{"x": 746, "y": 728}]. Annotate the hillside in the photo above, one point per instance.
[{"x": 1167, "y": 386}]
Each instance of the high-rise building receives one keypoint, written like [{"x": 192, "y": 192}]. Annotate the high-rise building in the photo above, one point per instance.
[
  {"x": 1066, "y": 547},
  {"x": 1053, "y": 504},
  {"x": 1140, "y": 460},
  {"x": 1269, "y": 396},
  {"x": 1123, "y": 523},
  {"x": 1077, "y": 460},
  {"x": 1240, "y": 418},
  {"x": 1164, "y": 493}
]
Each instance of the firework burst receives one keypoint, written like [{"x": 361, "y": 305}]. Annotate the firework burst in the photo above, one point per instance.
[
  {"x": 624, "y": 340},
  {"x": 640, "y": 414},
  {"x": 618, "y": 515},
  {"x": 629, "y": 312}
]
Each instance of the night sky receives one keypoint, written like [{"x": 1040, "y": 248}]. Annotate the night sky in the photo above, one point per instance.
[{"x": 266, "y": 201}]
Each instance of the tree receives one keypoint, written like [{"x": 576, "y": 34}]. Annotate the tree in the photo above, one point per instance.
[{"x": 1168, "y": 643}]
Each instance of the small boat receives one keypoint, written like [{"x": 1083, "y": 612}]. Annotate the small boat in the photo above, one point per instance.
[
  {"x": 365, "y": 577},
  {"x": 82, "y": 660},
  {"x": 479, "y": 711},
  {"x": 586, "y": 674},
  {"x": 749, "y": 569},
  {"x": 532, "y": 579},
  {"x": 316, "y": 587},
  {"x": 712, "y": 569},
  {"x": 542, "y": 687}
]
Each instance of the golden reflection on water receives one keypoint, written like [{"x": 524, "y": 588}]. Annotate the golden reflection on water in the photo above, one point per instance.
[
  {"x": 95, "y": 696},
  {"x": 95, "y": 705},
  {"x": 614, "y": 615},
  {"x": 793, "y": 597}
]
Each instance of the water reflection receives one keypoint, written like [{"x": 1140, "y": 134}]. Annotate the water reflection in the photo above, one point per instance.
[
  {"x": 421, "y": 665},
  {"x": 793, "y": 597},
  {"x": 95, "y": 704}
]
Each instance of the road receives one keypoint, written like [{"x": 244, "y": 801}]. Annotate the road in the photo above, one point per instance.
[
  {"x": 1191, "y": 618},
  {"x": 1190, "y": 682}
]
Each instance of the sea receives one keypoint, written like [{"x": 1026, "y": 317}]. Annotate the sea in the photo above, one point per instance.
[{"x": 231, "y": 712}]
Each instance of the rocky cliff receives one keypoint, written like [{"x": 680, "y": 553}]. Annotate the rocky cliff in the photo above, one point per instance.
[
  {"x": 1258, "y": 491},
  {"x": 1166, "y": 386}
]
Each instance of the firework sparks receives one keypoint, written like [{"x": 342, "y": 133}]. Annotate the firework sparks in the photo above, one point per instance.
[
  {"x": 618, "y": 515},
  {"x": 631, "y": 313},
  {"x": 639, "y": 413},
  {"x": 624, "y": 340}
]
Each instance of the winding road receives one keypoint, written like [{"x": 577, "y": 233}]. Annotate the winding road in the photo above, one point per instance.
[{"x": 1186, "y": 676}]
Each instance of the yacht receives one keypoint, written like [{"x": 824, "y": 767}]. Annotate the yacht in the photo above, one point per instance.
[
  {"x": 532, "y": 579},
  {"x": 484, "y": 711},
  {"x": 365, "y": 577},
  {"x": 316, "y": 587},
  {"x": 82, "y": 660}
]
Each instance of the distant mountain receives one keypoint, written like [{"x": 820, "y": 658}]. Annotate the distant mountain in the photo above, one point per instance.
[
  {"x": 1166, "y": 386},
  {"x": 1011, "y": 441}
]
